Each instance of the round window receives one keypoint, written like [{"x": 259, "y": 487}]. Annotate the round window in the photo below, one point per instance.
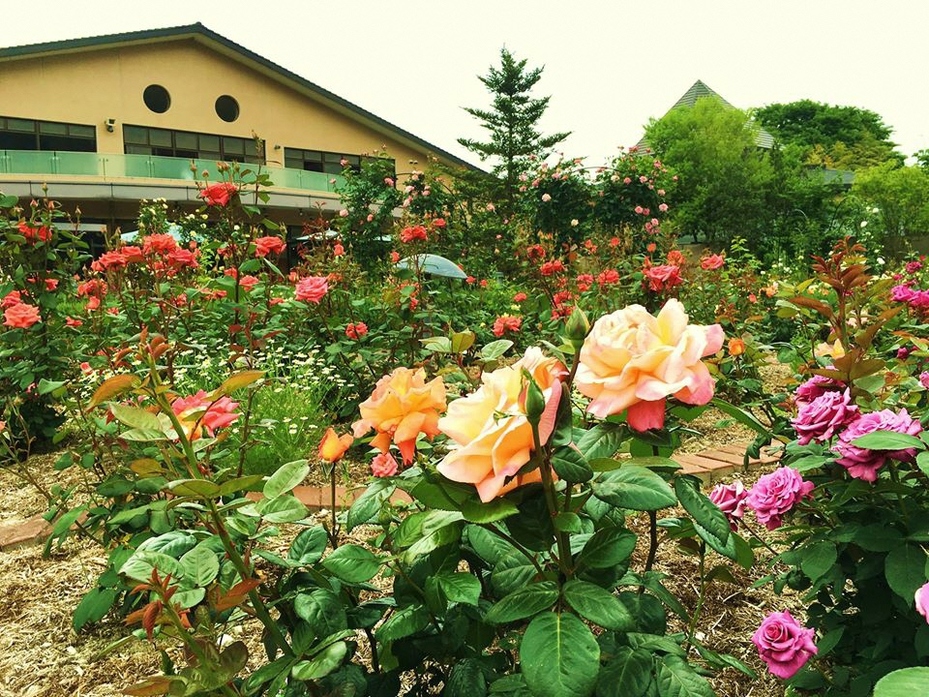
[
  {"x": 227, "y": 108},
  {"x": 157, "y": 98}
]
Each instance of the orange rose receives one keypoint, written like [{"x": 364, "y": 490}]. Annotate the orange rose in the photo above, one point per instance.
[
  {"x": 634, "y": 361},
  {"x": 736, "y": 347},
  {"x": 402, "y": 406},
  {"x": 332, "y": 447},
  {"x": 490, "y": 426}
]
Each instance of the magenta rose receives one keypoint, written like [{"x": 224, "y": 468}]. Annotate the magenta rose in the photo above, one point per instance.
[
  {"x": 922, "y": 601},
  {"x": 730, "y": 498},
  {"x": 862, "y": 463},
  {"x": 815, "y": 387},
  {"x": 820, "y": 419},
  {"x": 776, "y": 494},
  {"x": 783, "y": 644}
]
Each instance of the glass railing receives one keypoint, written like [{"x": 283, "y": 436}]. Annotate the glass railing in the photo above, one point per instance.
[{"x": 114, "y": 166}]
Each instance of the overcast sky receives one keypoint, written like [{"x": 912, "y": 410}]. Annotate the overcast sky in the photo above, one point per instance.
[{"x": 610, "y": 65}]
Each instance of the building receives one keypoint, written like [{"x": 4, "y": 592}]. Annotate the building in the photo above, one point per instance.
[
  {"x": 699, "y": 90},
  {"x": 106, "y": 121}
]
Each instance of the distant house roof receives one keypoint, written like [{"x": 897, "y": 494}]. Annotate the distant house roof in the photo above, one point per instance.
[
  {"x": 219, "y": 43},
  {"x": 699, "y": 90}
]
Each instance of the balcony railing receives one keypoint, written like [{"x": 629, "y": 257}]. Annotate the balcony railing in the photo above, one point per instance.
[{"x": 114, "y": 166}]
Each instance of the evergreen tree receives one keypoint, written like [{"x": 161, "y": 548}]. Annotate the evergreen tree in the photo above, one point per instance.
[{"x": 512, "y": 122}]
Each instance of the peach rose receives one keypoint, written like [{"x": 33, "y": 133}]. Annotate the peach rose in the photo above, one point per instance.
[
  {"x": 21, "y": 316},
  {"x": 332, "y": 447},
  {"x": 492, "y": 432},
  {"x": 634, "y": 361},
  {"x": 402, "y": 406}
]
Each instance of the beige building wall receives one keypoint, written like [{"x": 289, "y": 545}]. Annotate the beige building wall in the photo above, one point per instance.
[{"x": 92, "y": 85}]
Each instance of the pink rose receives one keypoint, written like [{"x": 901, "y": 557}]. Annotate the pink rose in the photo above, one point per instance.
[
  {"x": 248, "y": 283},
  {"x": 820, "y": 419},
  {"x": 777, "y": 493},
  {"x": 730, "y": 498},
  {"x": 384, "y": 465},
  {"x": 862, "y": 463},
  {"x": 634, "y": 361},
  {"x": 269, "y": 245},
  {"x": 492, "y": 434},
  {"x": 21, "y": 316},
  {"x": 505, "y": 324},
  {"x": 712, "y": 262},
  {"x": 199, "y": 411},
  {"x": 922, "y": 601},
  {"x": 663, "y": 277},
  {"x": 784, "y": 644},
  {"x": 312, "y": 289},
  {"x": 815, "y": 387}
]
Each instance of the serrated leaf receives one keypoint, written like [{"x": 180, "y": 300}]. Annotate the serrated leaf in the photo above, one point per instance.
[
  {"x": 598, "y": 605},
  {"x": 571, "y": 465},
  {"x": 904, "y": 569},
  {"x": 308, "y": 546},
  {"x": 200, "y": 565},
  {"x": 906, "y": 682},
  {"x": 403, "y": 623},
  {"x": 709, "y": 521},
  {"x": 136, "y": 418},
  {"x": 237, "y": 381},
  {"x": 888, "y": 440},
  {"x": 677, "y": 679},
  {"x": 352, "y": 564},
  {"x": 202, "y": 489},
  {"x": 495, "y": 349},
  {"x": 322, "y": 663},
  {"x": 608, "y": 547},
  {"x": 369, "y": 504}
]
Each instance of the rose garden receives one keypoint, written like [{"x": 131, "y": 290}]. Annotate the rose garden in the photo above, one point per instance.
[{"x": 513, "y": 432}]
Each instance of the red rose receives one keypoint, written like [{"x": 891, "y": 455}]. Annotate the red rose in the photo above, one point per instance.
[{"x": 218, "y": 194}]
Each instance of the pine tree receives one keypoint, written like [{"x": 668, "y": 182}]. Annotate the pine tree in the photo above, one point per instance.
[{"x": 512, "y": 122}]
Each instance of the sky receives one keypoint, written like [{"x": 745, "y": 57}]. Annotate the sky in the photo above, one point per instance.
[{"x": 609, "y": 65}]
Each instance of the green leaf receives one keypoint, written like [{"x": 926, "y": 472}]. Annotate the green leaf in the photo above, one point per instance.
[
  {"x": 607, "y": 548},
  {"x": 322, "y": 610},
  {"x": 246, "y": 483},
  {"x": 140, "y": 565},
  {"x": 459, "y": 587},
  {"x": 134, "y": 417},
  {"x": 888, "y": 440},
  {"x": 742, "y": 416},
  {"x": 200, "y": 565},
  {"x": 709, "y": 521},
  {"x": 475, "y": 511},
  {"x": 601, "y": 441},
  {"x": 495, "y": 349},
  {"x": 628, "y": 674},
  {"x": 677, "y": 679},
  {"x": 403, "y": 623},
  {"x": 93, "y": 607},
  {"x": 571, "y": 465},
  {"x": 352, "y": 564},
  {"x": 635, "y": 488},
  {"x": 877, "y": 537},
  {"x": 308, "y": 546},
  {"x": 466, "y": 680},
  {"x": 48, "y": 386},
  {"x": 904, "y": 569},
  {"x": 906, "y": 682},
  {"x": 566, "y": 521},
  {"x": 368, "y": 505},
  {"x": 523, "y": 603},
  {"x": 286, "y": 478},
  {"x": 598, "y": 605},
  {"x": 559, "y": 656},
  {"x": 283, "y": 509},
  {"x": 195, "y": 488},
  {"x": 62, "y": 526},
  {"x": 817, "y": 559},
  {"x": 322, "y": 663},
  {"x": 113, "y": 387}
]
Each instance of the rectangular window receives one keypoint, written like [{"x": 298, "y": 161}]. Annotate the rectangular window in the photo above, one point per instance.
[
  {"x": 141, "y": 140},
  {"x": 29, "y": 134},
  {"x": 318, "y": 161}
]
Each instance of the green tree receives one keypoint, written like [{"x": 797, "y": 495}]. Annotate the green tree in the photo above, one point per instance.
[
  {"x": 723, "y": 176},
  {"x": 512, "y": 123},
  {"x": 840, "y": 137},
  {"x": 901, "y": 195}
]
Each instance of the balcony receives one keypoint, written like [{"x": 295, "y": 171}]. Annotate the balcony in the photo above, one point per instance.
[{"x": 91, "y": 168}]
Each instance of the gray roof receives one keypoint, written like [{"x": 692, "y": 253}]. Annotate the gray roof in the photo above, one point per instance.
[
  {"x": 700, "y": 90},
  {"x": 200, "y": 33}
]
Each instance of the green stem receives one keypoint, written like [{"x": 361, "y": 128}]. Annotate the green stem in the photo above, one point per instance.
[
  {"x": 694, "y": 618},
  {"x": 260, "y": 608},
  {"x": 548, "y": 485}
]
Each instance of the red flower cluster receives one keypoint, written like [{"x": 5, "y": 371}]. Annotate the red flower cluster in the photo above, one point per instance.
[
  {"x": 550, "y": 268},
  {"x": 584, "y": 281},
  {"x": 507, "y": 324},
  {"x": 412, "y": 234},
  {"x": 608, "y": 277},
  {"x": 356, "y": 330},
  {"x": 35, "y": 234}
]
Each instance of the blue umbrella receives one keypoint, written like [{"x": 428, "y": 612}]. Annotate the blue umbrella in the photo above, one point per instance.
[{"x": 432, "y": 264}]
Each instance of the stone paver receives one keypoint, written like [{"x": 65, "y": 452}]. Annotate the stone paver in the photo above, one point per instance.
[{"x": 16, "y": 533}]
